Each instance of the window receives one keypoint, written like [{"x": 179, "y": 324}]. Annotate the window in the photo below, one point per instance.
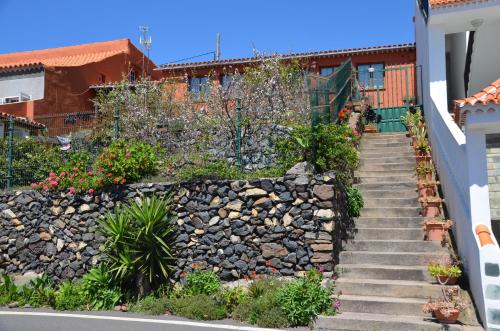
[
  {"x": 132, "y": 76},
  {"x": 11, "y": 99},
  {"x": 199, "y": 86},
  {"x": 327, "y": 71},
  {"x": 371, "y": 76}
]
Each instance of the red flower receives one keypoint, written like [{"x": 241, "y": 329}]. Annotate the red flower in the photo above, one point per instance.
[
  {"x": 100, "y": 169},
  {"x": 80, "y": 181},
  {"x": 116, "y": 180},
  {"x": 123, "y": 180},
  {"x": 109, "y": 175},
  {"x": 45, "y": 188},
  {"x": 52, "y": 175},
  {"x": 53, "y": 183},
  {"x": 91, "y": 191},
  {"x": 34, "y": 185},
  {"x": 75, "y": 169}
]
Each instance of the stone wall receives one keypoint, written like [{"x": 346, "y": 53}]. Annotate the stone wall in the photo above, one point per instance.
[{"x": 270, "y": 226}]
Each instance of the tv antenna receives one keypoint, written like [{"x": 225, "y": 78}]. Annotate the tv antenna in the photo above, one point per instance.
[{"x": 146, "y": 43}]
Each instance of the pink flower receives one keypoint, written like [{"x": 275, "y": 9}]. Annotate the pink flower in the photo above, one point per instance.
[
  {"x": 34, "y": 185},
  {"x": 100, "y": 169},
  {"x": 62, "y": 174},
  {"x": 53, "y": 183},
  {"x": 80, "y": 181},
  {"x": 91, "y": 191},
  {"x": 90, "y": 173},
  {"x": 123, "y": 180},
  {"x": 116, "y": 180},
  {"x": 75, "y": 169},
  {"x": 45, "y": 188},
  {"x": 72, "y": 190}
]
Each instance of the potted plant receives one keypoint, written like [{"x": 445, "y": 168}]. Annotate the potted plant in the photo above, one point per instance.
[
  {"x": 446, "y": 309},
  {"x": 431, "y": 206},
  {"x": 426, "y": 188},
  {"x": 436, "y": 228},
  {"x": 370, "y": 128},
  {"x": 445, "y": 274},
  {"x": 424, "y": 171}
]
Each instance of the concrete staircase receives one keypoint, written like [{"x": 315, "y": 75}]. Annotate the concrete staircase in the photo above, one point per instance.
[{"x": 383, "y": 277}]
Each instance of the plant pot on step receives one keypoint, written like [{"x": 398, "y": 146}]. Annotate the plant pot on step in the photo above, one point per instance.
[
  {"x": 435, "y": 229},
  {"x": 446, "y": 280},
  {"x": 426, "y": 188},
  {"x": 423, "y": 158},
  {"x": 431, "y": 206},
  {"x": 447, "y": 315}
]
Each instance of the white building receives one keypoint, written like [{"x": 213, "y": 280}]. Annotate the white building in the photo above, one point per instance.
[{"x": 458, "y": 49}]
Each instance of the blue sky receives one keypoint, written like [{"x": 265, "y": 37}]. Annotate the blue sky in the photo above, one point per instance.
[{"x": 184, "y": 28}]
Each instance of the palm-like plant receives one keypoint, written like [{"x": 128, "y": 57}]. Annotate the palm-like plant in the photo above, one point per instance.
[{"x": 139, "y": 238}]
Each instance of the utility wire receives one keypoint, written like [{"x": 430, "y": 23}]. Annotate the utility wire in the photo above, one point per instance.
[{"x": 192, "y": 57}]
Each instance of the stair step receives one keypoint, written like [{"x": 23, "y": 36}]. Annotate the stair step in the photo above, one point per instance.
[
  {"x": 393, "y": 245},
  {"x": 381, "y": 322},
  {"x": 390, "y": 233},
  {"x": 388, "y": 288},
  {"x": 390, "y": 258},
  {"x": 388, "y": 222},
  {"x": 388, "y": 186},
  {"x": 390, "y": 211},
  {"x": 390, "y": 194},
  {"x": 371, "y": 166},
  {"x": 373, "y": 153},
  {"x": 382, "y": 305},
  {"x": 390, "y": 202},
  {"x": 385, "y": 179},
  {"x": 382, "y": 159},
  {"x": 382, "y": 172},
  {"x": 376, "y": 271},
  {"x": 384, "y": 143}
]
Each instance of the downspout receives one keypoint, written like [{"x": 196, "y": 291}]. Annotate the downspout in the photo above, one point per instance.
[{"x": 468, "y": 61}]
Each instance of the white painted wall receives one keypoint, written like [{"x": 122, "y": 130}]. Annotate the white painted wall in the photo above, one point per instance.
[
  {"x": 485, "y": 65},
  {"x": 32, "y": 84}
]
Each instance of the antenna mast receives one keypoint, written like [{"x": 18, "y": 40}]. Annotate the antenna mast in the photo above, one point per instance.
[
  {"x": 146, "y": 44},
  {"x": 217, "y": 48}
]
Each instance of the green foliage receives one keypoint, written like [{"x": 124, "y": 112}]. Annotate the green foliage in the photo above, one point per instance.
[
  {"x": 354, "y": 201},
  {"x": 150, "y": 305},
  {"x": 260, "y": 287},
  {"x": 99, "y": 290},
  {"x": 198, "y": 307},
  {"x": 233, "y": 297},
  {"x": 201, "y": 282},
  {"x": 123, "y": 161},
  {"x": 38, "y": 292},
  {"x": 32, "y": 161},
  {"x": 8, "y": 290},
  {"x": 444, "y": 270},
  {"x": 208, "y": 170},
  {"x": 303, "y": 300},
  {"x": 335, "y": 149},
  {"x": 263, "y": 311},
  {"x": 69, "y": 297},
  {"x": 139, "y": 239}
]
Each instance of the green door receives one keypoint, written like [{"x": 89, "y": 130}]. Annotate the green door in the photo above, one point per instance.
[
  {"x": 389, "y": 90},
  {"x": 389, "y": 119}
]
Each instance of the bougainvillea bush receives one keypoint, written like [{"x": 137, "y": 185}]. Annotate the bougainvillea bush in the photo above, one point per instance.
[{"x": 122, "y": 162}]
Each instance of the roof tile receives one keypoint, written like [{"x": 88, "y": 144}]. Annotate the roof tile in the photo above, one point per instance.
[
  {"x": 449, "y": 3},
  {"x": 488, "y": 95}
]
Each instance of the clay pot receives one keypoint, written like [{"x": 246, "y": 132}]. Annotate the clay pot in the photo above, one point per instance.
[
  {"x": 426, "y": 190},
  {"x": 446, "y": 280},
  {"x": 435, "y": 231},
  {"x": 428, "y": 176},
  {"x": 432, "y": 208},
  {"x": 422, "y": 158},
  {"x": 448, "y": 316}
]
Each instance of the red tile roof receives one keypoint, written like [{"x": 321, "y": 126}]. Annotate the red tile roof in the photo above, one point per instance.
[
  {"x": 67, "y": 56},
  {"x": 488, "y": 95},
  {"x": 346, "y": 52},
  {"x": 22, "y": 120},
  {"x": 449, "y": 3}
]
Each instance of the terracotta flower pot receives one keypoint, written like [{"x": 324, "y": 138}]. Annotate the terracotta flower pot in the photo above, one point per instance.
[
  {"x": 426, "y": 190},
  {"x": 422, "y": 159},
  {"x": 431, "y": 208},
  {"x": 435, "y": 231},
  {"x": 446, "y": 280},
  {"x": 448, "y": 316}
]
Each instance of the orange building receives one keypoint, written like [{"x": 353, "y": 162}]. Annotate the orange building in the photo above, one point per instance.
[
  {"x": 376, "y": 66},
  {"x": 56, "y": 86}
]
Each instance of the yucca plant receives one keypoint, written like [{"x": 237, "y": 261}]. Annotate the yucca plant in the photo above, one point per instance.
[{"x": 139, "y": 238}]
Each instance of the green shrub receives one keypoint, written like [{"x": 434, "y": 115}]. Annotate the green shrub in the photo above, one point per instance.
[
  {"x": 39, "y": 292},
  {"x": 69, "y": 296},
  {"x": 208, "y": 170},
  {"x": 354, "y": 201},
  {"x": 8, "y": 290},
  {"x": 150, "y": 305},
  {"x": 201, "y": 282},
  {"x": 99, "y": 290},
  {"x": 436, "y": 269},
  {"x": 198, "y": 307},
  {"x": 335, "y": 149},
  {"x": 139, "y": 238},
  {"x": 261, "y": 287},
  {"x": 263, "y": 311},
  {"x": 303, "y": 300},
  {"x": 127, "y": 161},
  {"x": 233, "y": 297}
]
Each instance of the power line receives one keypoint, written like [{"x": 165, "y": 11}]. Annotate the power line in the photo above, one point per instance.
[{"x": 192, "y": 57}]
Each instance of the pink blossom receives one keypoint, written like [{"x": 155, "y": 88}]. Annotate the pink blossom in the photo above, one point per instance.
[
  {"x": 53, "y": 183},
  {"x": 34, "y": 185},
  {"x": 45, "y": 188},
  {"x": 51, "y": 175},
  {"x": 72, "y": 190},
  {"x": 91, "y": 191}
]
